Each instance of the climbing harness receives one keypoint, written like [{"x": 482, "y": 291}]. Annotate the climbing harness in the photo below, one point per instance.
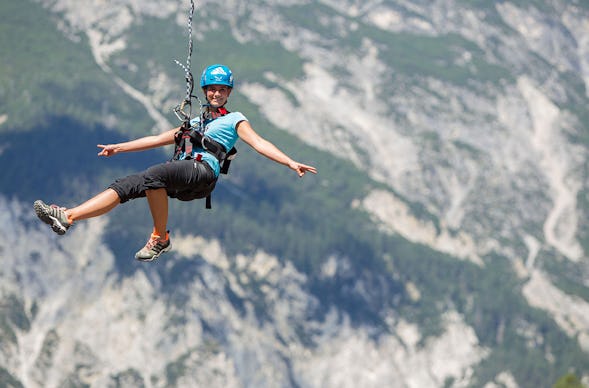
[
  {"x": 190, "y": 136},
  {"x": 187, "y": 138}
]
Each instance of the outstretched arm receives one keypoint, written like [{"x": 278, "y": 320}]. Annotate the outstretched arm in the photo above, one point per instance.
[
  {"x": 141, "y": 144},
  {"x": 269, "y": 150}
]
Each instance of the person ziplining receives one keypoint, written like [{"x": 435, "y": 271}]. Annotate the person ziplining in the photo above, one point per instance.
[
  {"x": 192, "y": 173},
  {"x": 204, "y": 146}
]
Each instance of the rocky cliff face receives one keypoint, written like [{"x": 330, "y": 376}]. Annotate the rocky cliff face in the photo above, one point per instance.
[
  {"x": 79, "y": 323},
  {"x": 475, "y": 114}
]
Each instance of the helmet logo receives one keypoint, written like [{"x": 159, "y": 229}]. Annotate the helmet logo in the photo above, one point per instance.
[{"x": 218, "y": 71}]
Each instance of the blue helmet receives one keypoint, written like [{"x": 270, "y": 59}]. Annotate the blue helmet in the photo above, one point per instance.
[{"x": 216, "y": 75}]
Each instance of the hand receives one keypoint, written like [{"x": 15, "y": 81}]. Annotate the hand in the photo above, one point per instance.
[
  {"x": 301, "y": 169},
  {"x": 107, "y": 150}
]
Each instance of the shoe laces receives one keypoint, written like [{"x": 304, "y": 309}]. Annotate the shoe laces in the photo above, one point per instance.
[
  {"x": 57, "y": 208},
  {"x": 153, "y": 241},
  {"x": 59, "y": 211}
]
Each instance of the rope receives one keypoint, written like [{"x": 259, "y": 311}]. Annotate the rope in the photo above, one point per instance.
[{"x": 179, "y": 109}]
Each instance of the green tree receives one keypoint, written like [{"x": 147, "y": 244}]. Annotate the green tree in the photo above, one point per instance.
[{"x": 569, "y": 380}]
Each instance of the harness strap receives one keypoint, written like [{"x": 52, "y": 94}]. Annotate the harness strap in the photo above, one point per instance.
[
  {"x": 230, "y": 156},
  {"x": 185, "y": 138},
  {"x": 187, "y": 143},
  {"x": 210, "y": 145}
]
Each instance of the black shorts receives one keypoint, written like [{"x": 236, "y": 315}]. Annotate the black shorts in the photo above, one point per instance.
[{"x": 183, "y": 179}]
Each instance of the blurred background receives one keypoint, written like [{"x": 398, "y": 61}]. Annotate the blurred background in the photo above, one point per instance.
[{"x": 442, "y": 244}]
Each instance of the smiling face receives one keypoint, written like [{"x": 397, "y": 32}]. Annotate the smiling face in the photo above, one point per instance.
[{"x": 217, "y": 95}]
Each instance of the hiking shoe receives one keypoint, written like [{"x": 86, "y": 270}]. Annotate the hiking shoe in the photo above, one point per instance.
[
  {"x": 154, "y": 248},
  {"x": 52, "y": 215}
]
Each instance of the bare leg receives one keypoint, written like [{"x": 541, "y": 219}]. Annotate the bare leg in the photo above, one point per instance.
[
  {"x": 95, "y": 206},
  {"x": 158, "y": 204}
]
